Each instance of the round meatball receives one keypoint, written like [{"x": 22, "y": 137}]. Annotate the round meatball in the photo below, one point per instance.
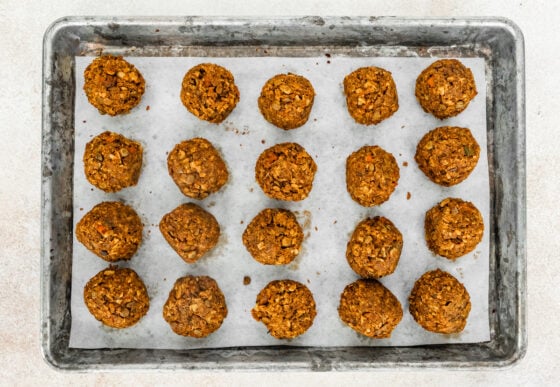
[
  {"x": 453, "y": 228},
  {"x": 445, "y": 88},
  {"x": 371, "y": 95},
  {"x": 285, "y": 172},
  {"x": 112, "y": 162},
  {"x": 447, "y": 155},
  {"x": 197, "y": 168},
  {"x": 273, "y": 237},
  {"x": 209, "y": 92},
  {"x": 190, "y": 231},
  {"x": 372, "y": 174},
  {"x": 374, "y": 248},
  {"x": 286, "y": 308},
  {"x": 117, "y": 297},
  {"x": 196, "y": 307},
  {"x": 286, "y": 100},
  {"x": 440, "y": 303},
  {"x": 370, "y": 308},
  {"x": 111, "y": 230},
  {"x": 112, "y": 85}
]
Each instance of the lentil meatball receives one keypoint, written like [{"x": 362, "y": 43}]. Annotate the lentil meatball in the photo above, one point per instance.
[
  {"x": 445, "y": 88},
  {"x": 112, "y": 85},
  {"x": 453, "y": 228},
  {"x": 112, "y": 162},
  {"x": 370, "y": 308},
  {"x": 111, "y": 230},
  {"x": 209, "y": 92},
  {"x": 190, "y": 231},
  {"x": 285, "y": 172},
  {"x": 286, "y": 308},
  {"x": 196, "y": 307},
  {"x": 447, "y": 155},
  {"x": 117, "y": 297},
  {"x": 440, "y": 303}
]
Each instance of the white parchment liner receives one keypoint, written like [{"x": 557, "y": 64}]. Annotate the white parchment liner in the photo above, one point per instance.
[{"x": 328, "y": 214}]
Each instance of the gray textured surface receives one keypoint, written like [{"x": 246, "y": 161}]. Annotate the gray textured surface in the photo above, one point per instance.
[{"x": 498, "y": 40}]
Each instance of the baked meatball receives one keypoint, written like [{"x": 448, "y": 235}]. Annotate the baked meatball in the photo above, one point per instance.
[
  {"x": 453, "y": 228},
  {"x": 447, "y": 155},
  {"x": 196, "y": 307},
  {"x": 371, "y": 95},
  {"x": 273, "y": 237},
  {"x": 285, "y": 172},
  {"x": 445, "y": 88},
  {"x": 286, "y": 308},
  {"x": 372, "y": 174},
  {"x": 286, "y": 100},
  {"x": 111, "y": 230},
  {"x": 197, "y": 168},
  {"x": 374, "y": 248},
  {"x": 370, "y": 308},
  {"x": 112, "y": 162},
  {"x": 209, "y": 92},
  {"x": 112, "y": 85},
  {"x": 440, "y": 303},
  {"x": 117, "y": 297},
  {"x": 190, "y": 231}
]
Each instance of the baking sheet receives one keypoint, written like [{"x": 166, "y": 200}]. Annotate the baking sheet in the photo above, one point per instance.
[{"x": 328, "y": 214}]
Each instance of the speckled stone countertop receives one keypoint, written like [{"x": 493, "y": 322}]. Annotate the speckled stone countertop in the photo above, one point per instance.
[{"x": 21, "y": 32}]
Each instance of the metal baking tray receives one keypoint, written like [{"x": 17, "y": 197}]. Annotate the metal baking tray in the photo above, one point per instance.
[{"x": 498, "y": 40}]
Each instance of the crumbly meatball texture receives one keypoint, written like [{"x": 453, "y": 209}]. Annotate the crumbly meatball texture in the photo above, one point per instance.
[
  {"x": 209, "y": 92},
  {"x": 445, "y": 88},
  {"x": 112, "y": 85},
  {"x": 117, "y": 297},
  {"x": 370, "y": 308},
  {"x": 285, "y": 172},
  {"x": 372, "y": 174},
  {"x": 196, "y": 307},
  {"x": 453, "y": 228},
  {"x": 190, "y": 230},
  {"x": 440, "y": 303},
  {"x": 273, "y": 237},
  {"x": 112, "y": 162},
  {"x": 447, "y": 155},
  {"x": 286, "y": 308},
  {"x": 375, "y": 248},
  {"x": 286, "y": 100},
  {"x": 111, "y": 230},
  {"x": 371, "y": 95},
  {"x": 197, "y": 168}
]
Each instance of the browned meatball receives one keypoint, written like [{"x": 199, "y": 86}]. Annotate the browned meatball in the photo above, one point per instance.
[
  {"x": 286, "y": 100},
  {"x": 286, "y": 307},
  {"x": 209, "y": 92},
  {"x": 112, "y": 162},
  {"x": 445, "y": 88},
  {"x": 190, "y": 230},
  {"x": 372, "y": 174},
  {"x": 196, "y": 307},
  {"x": 112, "y": 85},
  {"x": 111, "y": 230},
  {"x": 374, "y": 248},
  {"x": 453, "y": 228},
  {"x": 440, "y": 303},
  {"x": 370, "y": 308},
  {"x": 285, "y": 172},
  {"x": 273, "y": 237},
  {"x": 447, "y": 155},
  {"x": 371, "y": 95},
  {"x": 117, "y": 297},
  {"x": 197, "y": 168}
]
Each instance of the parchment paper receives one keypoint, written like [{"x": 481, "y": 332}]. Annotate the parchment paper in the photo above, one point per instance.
[{"x": 328, "y": 215}]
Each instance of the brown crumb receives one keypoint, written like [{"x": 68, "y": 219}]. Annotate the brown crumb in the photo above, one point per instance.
[
  {"x": 405, "y": 164},
  {"x": 148, "y": 107},
  {"x": 408, "y": 196},
  {"x": 246, "y": 280},
  {"x": 328, "y": 55},
  {"x": 263, "y": 141}
]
